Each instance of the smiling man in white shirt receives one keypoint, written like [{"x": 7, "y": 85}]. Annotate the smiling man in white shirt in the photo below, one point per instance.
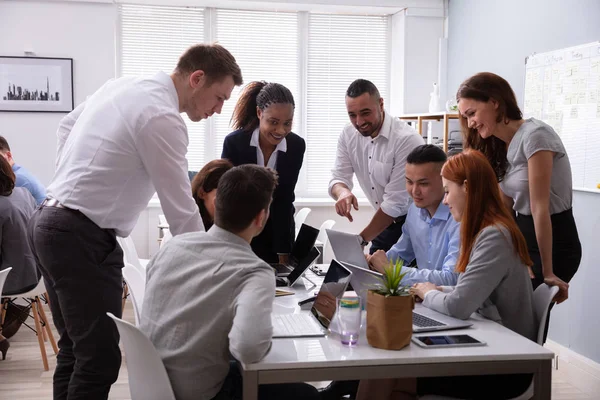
[
  {"x": 374, "y": 146},
  {"x": 125, "y": 142}
]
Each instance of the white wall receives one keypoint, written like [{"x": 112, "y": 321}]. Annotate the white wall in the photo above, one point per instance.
[
  {"x": 497, "y": 36},
  {"x": 84, "y": 32}
]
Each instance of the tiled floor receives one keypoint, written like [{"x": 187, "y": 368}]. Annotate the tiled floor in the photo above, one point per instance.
[{"x": 22, "y": 376}]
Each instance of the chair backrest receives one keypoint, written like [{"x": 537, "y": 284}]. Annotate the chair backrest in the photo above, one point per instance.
[
  {"x": 130, "y": 254},
  {"x": 300, "y": 217},
  {"x": 137, "y": 289},
  {"x": 542, "y": 297},
  {"x": 323, "y": 238},
  {"x": 166, "y": 237},
  {"x": 3, "y": 275},
  {"x": 148, "y": 379}
]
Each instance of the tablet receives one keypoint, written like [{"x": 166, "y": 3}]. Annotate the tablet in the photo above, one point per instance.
[{"x": 438, "y": 341}]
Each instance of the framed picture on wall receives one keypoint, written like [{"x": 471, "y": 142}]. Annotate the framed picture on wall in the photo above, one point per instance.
[{"x": 36, "y": 84}]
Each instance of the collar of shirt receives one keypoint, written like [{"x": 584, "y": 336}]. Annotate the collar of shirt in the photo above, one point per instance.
[
  {"x": 16, "y": 167},
  {"x": 165, "y": 79},
  {"x": 442, "y": 213},
  {"x": 227, "y": 236},
  {"x": 386, "y": 126},
  {"x": 282, "y": 146}
]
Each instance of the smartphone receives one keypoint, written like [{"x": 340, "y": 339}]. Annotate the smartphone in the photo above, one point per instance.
[{"x": 447, "y": 341}]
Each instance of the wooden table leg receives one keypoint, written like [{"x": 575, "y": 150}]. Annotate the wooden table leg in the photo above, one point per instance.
[
  {"x": 250, "y": 379},
  {"x": 420, "y": 125},
  {"x": 542, "y": 381}
]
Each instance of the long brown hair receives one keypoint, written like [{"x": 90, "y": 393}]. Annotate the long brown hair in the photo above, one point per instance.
[
  {"x": 483, "y": 87},
  {"x": 7, "y": 177},
  {"x": 206, "y": 180},
  {"x": 484, "y": 206},
  {"x": 258, "y": 94}
]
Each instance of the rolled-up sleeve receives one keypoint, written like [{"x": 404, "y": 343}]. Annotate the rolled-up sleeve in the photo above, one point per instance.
[{"x": 342, "y": 171}]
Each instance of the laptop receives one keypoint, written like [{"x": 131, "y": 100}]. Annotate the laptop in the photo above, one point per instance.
[
  {"x": 293, "y": 276},
  {"x": 316, "y": 322},
  {"x": 346, "y": 248},
  {"x": 305, "y": 241},
  {"x": 424, "y": 319}
]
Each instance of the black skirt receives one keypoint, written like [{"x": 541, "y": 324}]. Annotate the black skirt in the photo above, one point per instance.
[{"x": 566, "y": 248}]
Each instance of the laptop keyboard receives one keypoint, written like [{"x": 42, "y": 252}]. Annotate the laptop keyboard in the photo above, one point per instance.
[
  {"x": 425, "y": 322},
  {"x": 294, "y": 325}
]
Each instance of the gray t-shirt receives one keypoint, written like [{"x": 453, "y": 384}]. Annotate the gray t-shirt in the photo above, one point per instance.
[{"x": 534, "y": 136}]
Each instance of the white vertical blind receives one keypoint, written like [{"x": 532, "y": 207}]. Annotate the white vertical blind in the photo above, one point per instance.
[
  {"x": 341, "y": 48},
  {"x": 152, "y": 39},
  {"x": 265, "y": 46}
]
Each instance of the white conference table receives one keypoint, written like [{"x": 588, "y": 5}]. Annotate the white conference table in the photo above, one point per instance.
[{"x": 324, "y": 358}]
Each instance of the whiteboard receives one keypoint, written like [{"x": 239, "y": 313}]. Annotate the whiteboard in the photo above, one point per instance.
[{"x": 562, "y": 88}]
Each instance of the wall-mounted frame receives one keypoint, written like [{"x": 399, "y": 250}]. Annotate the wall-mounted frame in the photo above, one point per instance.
[{"x": 36, "y": 84}]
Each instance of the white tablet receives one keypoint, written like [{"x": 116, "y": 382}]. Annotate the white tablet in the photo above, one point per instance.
[{"x": 438, "y": 341}]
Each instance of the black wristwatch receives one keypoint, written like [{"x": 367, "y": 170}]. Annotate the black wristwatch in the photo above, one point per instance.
[{"x": 363, "y": 242}]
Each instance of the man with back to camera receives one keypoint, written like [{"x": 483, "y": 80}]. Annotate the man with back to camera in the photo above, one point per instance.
[
  {"x": 24, "y": 178},
  {"x": 224, "y": 297},
  {"x": 374, "y": 146},
  {"x": 430, "y": 234},
  {"x": 127, "y": 141}
]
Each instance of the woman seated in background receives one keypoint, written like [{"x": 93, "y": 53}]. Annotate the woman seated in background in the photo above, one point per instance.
[
  {"x": 263, "y": 119},
  {"x": 493, "y": 281},
  {"x": 16, "y": 207},
  {"x": 204, "y": 188},
  {"x": 533, "y": 168}
]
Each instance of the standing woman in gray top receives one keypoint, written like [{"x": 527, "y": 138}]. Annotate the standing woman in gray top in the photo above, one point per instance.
[
  {"x": 16, "y": 206},
  {"x": 534, "y": 172},
  {"x": 493, "y": 280}
]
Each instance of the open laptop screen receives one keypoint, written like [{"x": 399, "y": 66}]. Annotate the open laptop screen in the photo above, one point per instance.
[
  {"x": 307, "y": 236},
  {"x": 334, "y": 285}
]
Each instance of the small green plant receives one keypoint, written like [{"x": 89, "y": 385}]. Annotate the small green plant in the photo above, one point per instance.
[{"x": 391, "y": 281}]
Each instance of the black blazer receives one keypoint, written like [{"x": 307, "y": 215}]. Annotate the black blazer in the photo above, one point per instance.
[{"x": 278, "y": 235}]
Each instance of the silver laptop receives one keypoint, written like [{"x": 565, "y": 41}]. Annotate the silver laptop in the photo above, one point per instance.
[
  {"x": 346, "y": 248},
  {"x": 299, "y": 270},
  {"x": 315, "y": 322},
  {"x": 424, "y": 320}
]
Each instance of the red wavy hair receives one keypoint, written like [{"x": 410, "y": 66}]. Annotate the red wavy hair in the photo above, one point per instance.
[{"x": 483, "y": 207}]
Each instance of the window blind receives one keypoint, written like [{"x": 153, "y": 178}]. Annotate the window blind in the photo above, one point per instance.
[
  {"x": 152, "y": 39},
  {"x": 341, "y": 48}
]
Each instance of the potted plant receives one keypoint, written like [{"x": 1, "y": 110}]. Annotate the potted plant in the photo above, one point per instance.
[{"x": 389, "y": 310}]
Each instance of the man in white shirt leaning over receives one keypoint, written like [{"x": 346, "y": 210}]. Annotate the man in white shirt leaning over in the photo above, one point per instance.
[
  {"x": 127, "y": 141},
  {"x": 208, "y": 296},
  {"x": 374, "y": 146}
]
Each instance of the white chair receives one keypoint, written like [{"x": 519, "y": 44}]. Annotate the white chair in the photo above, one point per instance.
[
  {"x": 299, "y": 219},
  {"x": 323, "y": 239},
  {"x": 42, "y": 327},
  {"x": 137, "y": 288},
  {"x": 166, "y": 237},
  {"x": 148, "y": 379},
  {"x": 130, "y": 255},
  {"x": 542, "y": 298}
]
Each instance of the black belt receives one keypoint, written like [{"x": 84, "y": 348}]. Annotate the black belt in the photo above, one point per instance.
[{"x": 49, "y": 202}]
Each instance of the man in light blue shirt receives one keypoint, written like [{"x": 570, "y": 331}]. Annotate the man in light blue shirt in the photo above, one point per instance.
[
  {"x": 430, "y": 234},
  {"x": 24, "y": 178}
]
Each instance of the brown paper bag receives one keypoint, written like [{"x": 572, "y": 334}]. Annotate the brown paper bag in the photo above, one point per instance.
[{"x": 389, "y": 320}]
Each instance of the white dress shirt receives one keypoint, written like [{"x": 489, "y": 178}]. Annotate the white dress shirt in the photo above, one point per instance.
[
  {"x": 260, "y": 158},
  {"x": 116, "y": 149},
  {"x": 379, "y": 164}
]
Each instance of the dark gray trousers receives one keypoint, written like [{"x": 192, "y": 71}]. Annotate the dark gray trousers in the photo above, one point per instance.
[{"x": 81, "y": 265}]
